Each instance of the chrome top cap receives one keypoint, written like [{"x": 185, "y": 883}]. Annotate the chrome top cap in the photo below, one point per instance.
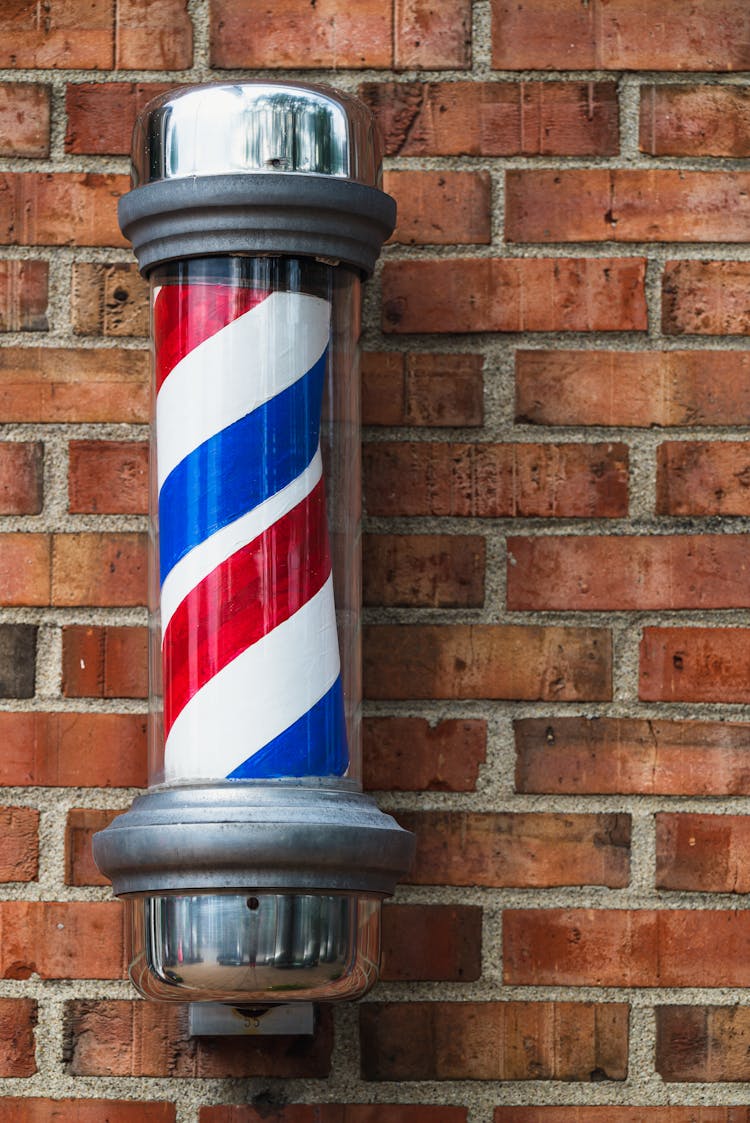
[{"x": 234, "y": 128}]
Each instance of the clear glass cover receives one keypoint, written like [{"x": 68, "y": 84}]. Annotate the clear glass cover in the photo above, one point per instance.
[{"x": 255, "y": 584}]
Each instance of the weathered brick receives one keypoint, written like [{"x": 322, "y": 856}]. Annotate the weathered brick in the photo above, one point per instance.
[
  {"x": 496, "y": 480},
  {"x": 337, "y": 1113},
  {"x": 18, "y": 1017},
  {"x": 60, "y": 208},
  {"x": 109, "y": 300},
  {"x": 35, "y": 1110},
  {"x": 705, "y": 853},
  {"x": 101, "y": 115},
  {"x": 21, "y": 477},
  {"x": 626, "y": 948},
  {"x": 62, "y": 940},
  {"x": 73, "y": 750},
  {"x": 617, "y": 1113},
  {"x": 17, "y": 660},
  {"x": 59, "y": 384},
  {"x": 588, "y": 573},
  {"x": 19, "y": 844},
  {"x": 663, "y": 388},
  {"x": 291, "y": 33},
  {"x": 104, "y": 662},
  {"x": 409, "y": 754},
  {"x": 153, "y": 36},
  {"x": 121, "y": 1038},
  {"x": 82, "y": 825},
  {"x": 23, "y": 295},
  {"x": 24, "y": 569},
  {"x": 108, "y": 477},
  {"x": 496, "y": 118},
  {"x": 514, "y": 295},
  {"x": 64, "y": 34},
  {"x": 621, "y": 35},
  {"x": 695, "y": 120},
  {"x": 487, "y": 661},
  {"x": 436, "y": 390},
  {"x": 440, "y": 942},
  {"x": 626, "y": 205},
  {"x": 440, "y": 208},
  {"x": 628, "y": 756},
  {"x": 494, "y": 1040},
  {"x": 24, "y": 119},
  {"x": 426, "y": 570},
  {"x": 99, "y": 569},
  {"x": 705, "y": 298},
  {"x": 703, "y": 478},
  {"x": 520, "y": 849},
  {"x": 703, "y": 1043},
  {"x": 432, "y": 34},
  {"x": 695, "y": 665}
]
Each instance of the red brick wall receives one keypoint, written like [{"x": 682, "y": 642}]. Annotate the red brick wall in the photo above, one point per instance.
[{"x": 556, "y": 389}]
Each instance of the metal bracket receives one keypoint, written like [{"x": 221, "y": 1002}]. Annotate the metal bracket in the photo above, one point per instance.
[{"x": 214, "y": 1019}]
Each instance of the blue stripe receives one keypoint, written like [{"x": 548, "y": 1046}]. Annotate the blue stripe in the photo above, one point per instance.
[
  {"x": 240, "y": 467},
  {"x": 315, "y": 745}
]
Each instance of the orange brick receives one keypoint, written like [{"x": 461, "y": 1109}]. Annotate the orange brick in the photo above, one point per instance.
[
  {"x": 437, "y": 390},
  {"x": 104, "y": 662},
  {"x": 441, "y": 208},
  {"x": 695, "y": 665},
  {"x": 65, "y": 34},
  {"x": 432, "y": 34},
  {"x": 704, "y": 1043},
  {"x": 518, "y": 850},
  {"x": 18, "y": 1017},
  {"x": 603, "y": 205},
  {"x": 34, "y": 1110},
  {"x": 496, "y": 480},
  {"x": 426, "y": 570},
  {"x": 702, "y": 853},
  {"x": 24, "y": 119},
  {"x": 60, "y": 208},
  {"x": 57, "y": 384},
  {"x": 496, "y": 118},
  {"x": 73, "y": 750},
  {"x": 109, "y": 300},
  {"x": 487, "y": 661},
  {"x": 622, "y": 1114},
  {"x": 514, "y": 294},
  {"x": 695, "y": 120},
  {"x": 494, "y": 1040},
  {"x": 82, "y": 825},
  {"x": 24, "y": 569},
  {"x": 99, "y": 569},
  {"x": 409, "y": 754},
  {"x": 703, "y": 478},
  {"x": 705, "y": 298},
  {"x": 21, "y": 477},
  {"x": 335, "y": 1113},
  {"x": 19, "y": 844},
  {"x": 108, "y": 477},
  {"x": 587, "y": 573},
  {"x": 153, "y": 36},
  {"x": 23, "y": 295},
  {"x": 101, "y": 115},
  {"x": 438, "y": 942},
  {"x": 62, "y": 940}
]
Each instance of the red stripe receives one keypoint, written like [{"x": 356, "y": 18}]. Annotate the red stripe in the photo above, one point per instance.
[
  {"x": 187, "y": 314},
  {"x": 243, "y": 599}
]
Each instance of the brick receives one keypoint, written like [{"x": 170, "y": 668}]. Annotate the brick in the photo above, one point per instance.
[
  {"x": 109, "y": 300},
  {"x": 605, "y": 205},
  {"x": 336, "y": 1113},
  {"x": 332, "y": 34},
  {"x": 153, "y": 36},
  {"x": 425, "y": 570},
  {"x": 433, "y": 390},
  {"x": 496, "y": 118},
  {"x": 34, "y": 1110},
  {"x": 588, "y": 573},
  {"x": 705, "y": 298},
  {"x": 73, "y": 750},
  {"x": 432, "y": 35},
  {"x": 117, "y": 1037},
  {"x": 441, "y": 208},
  {"x": 18, "y": 1017},
  {"x": 24, "y": 569},
  {"x": 695, "y": 120},
  {"x": 62, "y": 940},
  {"x": 487, "y": 661},
  {"x": 21, "y": 477},
  {"x": 55, "y": 384},
  {"x": 17, "y": 660},
  {"x": 82, "y": 825},
  {"x": 518, "y": 850},
  {"x": 409, "y": 754},
  {"x": 626, "y": 948},
  {"x": 622, "y": 1114},
  {"x": 695, "y": 665},
  {"x": 496, "y": 480},
  {"x": 24, "y": 119},
  {"x": 64, "y": 34},
  {"x": 703, "y": 1043},
  {"x": 99, "y": 569},
  {"x": 494, "y": 1041},
  {"x": 702, "y": 853},
  {"x": 19, "y": 844},
  {"x": 108, "y": 477},
  {"x": 104, "y": 662},
  {"x": 60, "y": 208},
  {"x": 703, "y": 478},
  {"x": 622, "y": 35},
  {"x": 514, "y": 295},
  {"x": 686, "y": 388},
  {"x": 101, "y": 115},
  {"x": 431, "y": 942},
  {"x": 627, "y": 756},
  {"x": 23, "y": 295}
]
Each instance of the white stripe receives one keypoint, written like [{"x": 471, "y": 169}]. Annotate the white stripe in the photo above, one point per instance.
[
  {"x": 205, "y": 557},
  {"x": 257, "y": 696},
  {"x": 236, "y": 370}
]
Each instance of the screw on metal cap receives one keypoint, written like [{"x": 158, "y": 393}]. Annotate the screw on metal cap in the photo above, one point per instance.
[{"x": 256, "y": 167}]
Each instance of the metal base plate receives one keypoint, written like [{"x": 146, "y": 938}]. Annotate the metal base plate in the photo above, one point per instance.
[{"x": 214, "y": 1019}]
